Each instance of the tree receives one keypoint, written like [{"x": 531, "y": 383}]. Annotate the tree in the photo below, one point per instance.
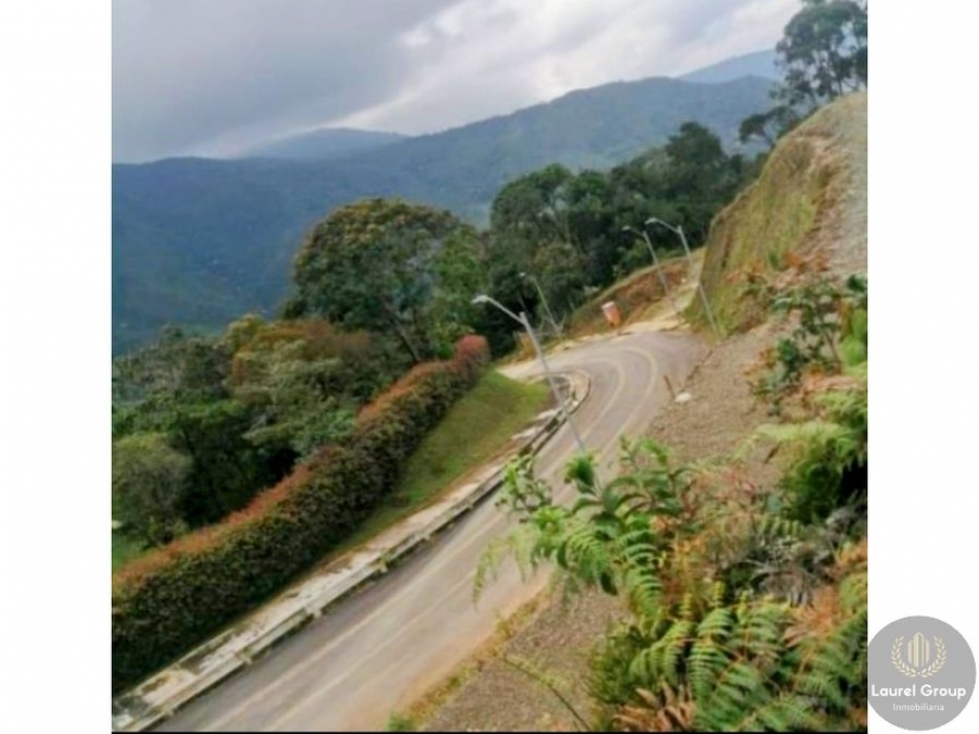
[
  {"x": 460, "y": 275},
  {"x": 822, "y": 55},
  {"x": 561, "y": 272},
  {"x": 301, "y": 380},
  {"x": 149, "y": 486},
  {"x": 768, "y": 126},
  {"x": 591, "y": 216},
  {"x": 533, "y": 208},
  {"x": 371, "y": 265},
  {"x": 824, "y": 52},
  {"x": 700, "y": 178},
  {"x": 182, "y": 366}
]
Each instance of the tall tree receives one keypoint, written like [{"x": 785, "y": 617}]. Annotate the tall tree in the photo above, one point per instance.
[
  {"x": 460, "y": 275},
  {"x": 533, "y": 208},
  {"x": 824, "y": 52},
  {"x": 700, "y": 178},
  {"x": 371, "y": 265}
]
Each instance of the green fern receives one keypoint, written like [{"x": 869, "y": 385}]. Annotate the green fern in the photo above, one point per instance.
[{"x": 699, "y": 654}]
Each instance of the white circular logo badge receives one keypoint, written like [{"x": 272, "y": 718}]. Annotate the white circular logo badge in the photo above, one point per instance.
[{"x": 921, "y": 673}]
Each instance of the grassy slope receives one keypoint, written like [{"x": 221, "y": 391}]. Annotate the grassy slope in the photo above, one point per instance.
[
  {"x": 792, "y": 207},
  {"x": 475, "y": 429}
]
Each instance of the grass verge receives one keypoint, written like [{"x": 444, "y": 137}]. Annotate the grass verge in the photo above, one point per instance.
[{"x": 477, "y": 428}]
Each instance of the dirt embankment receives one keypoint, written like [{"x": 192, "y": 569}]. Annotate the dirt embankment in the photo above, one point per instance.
[{"x": 810, "y": 199}]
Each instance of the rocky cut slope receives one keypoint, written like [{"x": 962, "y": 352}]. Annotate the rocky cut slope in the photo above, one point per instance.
[{"x": 810, "y": 200}]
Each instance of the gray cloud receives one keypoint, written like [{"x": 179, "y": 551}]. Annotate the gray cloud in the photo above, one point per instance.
[{"x": 209, "y": 77}]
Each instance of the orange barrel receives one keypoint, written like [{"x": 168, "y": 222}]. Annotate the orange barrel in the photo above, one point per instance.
[{"x": 612, "y": 314}]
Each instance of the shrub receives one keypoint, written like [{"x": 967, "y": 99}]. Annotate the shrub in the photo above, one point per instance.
[
  {"x": 171, "y": 600},
  {"x": 830, "y": 333},
  {"x": 725, "y": 633},
  {"x": 149, "y": 484}
]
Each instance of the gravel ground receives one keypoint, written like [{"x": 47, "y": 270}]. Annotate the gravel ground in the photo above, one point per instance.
[{"x": 558, "y": 638}]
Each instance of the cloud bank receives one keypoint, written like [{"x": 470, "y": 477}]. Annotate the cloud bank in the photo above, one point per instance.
[{"x": 211, "y": 77}]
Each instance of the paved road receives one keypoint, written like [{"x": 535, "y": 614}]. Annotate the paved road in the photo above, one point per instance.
[{"x": 383, "y": 646}]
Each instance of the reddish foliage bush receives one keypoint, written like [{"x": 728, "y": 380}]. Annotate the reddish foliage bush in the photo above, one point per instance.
[{"x": 175, "y": 598}]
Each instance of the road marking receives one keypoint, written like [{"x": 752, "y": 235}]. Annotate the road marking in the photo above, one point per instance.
[{"x": 337, "y": 680}]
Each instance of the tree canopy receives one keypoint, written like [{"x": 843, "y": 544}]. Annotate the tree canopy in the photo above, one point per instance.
[
  {"x": 822, "y": 55},
  {"x": 372, "y": 265}
]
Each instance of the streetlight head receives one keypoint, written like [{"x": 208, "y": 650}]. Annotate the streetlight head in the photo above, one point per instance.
[
  {"x": 523, "y": 275},
  {"x": 654, "y": 220},
  {"x": 481, "y": 298}
]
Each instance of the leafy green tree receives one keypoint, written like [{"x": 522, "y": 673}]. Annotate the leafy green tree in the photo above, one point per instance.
[
  {"x": 767, "y": 126},
  {"x": 460, "y": 274},
  {"x": 371, "y": 265},
  {"x": 700, "y": 178},
  {"x": 823, "y": 53},
  {"x": 149, "y": 486},
  {"x": 560, "y": 270},
  {"x": 533, "y": 208},
  {"x": 592, "y": 219},
  {"x": 192, "y": 366},
  {"x": 567, "y": 229},
  {"x": 289, "y": 392},
  {"x": 227, "y": 469}
]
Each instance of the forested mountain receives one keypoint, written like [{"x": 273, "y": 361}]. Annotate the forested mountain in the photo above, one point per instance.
[
  {"x": 199, "y": 242},
  {"x": 327, "y": 142}
]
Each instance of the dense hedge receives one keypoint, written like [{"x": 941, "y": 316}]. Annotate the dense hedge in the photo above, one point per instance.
[{"x": 172, "y": 600}]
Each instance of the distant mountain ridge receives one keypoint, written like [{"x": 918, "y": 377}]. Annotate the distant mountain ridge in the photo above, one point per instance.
[
  {"x": 759, "y": 63},
  {"x": 199, "y": 241},
  {"x": 327, "y": 142}
]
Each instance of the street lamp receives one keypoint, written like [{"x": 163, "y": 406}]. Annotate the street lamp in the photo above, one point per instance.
[
  {"x": 525, "y": 323},
  {"x": 547, "y": 308},
  {"x": 659, "y": 271},
  {"x": 700, "y": 286}
]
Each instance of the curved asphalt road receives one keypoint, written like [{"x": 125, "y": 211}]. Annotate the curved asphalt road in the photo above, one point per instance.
[{"x": 382, "y": 647}]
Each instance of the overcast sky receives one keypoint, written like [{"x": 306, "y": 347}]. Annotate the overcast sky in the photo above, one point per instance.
[{"x": 211, "y": 77}]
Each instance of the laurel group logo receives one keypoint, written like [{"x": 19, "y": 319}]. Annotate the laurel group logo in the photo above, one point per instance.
[
  {"x": 921, "y": 673},
  {"x": 919, "y": 658}
]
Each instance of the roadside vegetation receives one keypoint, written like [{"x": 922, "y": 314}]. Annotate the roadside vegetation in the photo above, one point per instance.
[
  {"x": 175, "y": 597},
  {"x": 477, "y": 428},
  {"x": 747, "y": 603}
]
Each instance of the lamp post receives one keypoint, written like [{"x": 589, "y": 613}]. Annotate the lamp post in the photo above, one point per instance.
[
  {"x": 547, "y": 307},
  {"x": 659, "y": 271},
  {"x": 525, "y": 323},
  {"x": 700, "y": 286}
]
